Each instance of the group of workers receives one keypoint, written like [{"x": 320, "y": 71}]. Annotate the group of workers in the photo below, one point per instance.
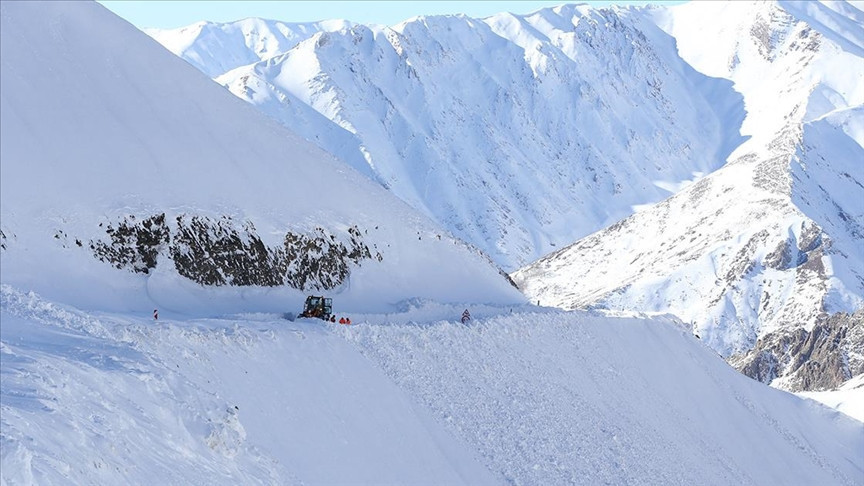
[{"x": 342, "y": 320}]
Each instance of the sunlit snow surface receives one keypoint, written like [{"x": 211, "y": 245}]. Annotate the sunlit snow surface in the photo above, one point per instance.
[
  {"x": 849, "y": 398},
  {"x": 522, "y": 396}
]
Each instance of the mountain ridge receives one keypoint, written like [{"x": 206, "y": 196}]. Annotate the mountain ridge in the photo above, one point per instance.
[
  {"x": 422, "y": 116},
  {"x": 793, "y": 237}
]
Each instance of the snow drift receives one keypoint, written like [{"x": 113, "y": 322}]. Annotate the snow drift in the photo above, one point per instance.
[{"x": 522, "y": 396}]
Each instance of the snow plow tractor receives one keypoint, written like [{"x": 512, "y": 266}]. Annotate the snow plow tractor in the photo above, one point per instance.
[{"x": 320, "y": 307}]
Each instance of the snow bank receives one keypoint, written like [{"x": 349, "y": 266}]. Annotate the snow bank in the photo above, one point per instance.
[
  {"x": 115, "y": 399},
  {"x": 521, "y": 395}
]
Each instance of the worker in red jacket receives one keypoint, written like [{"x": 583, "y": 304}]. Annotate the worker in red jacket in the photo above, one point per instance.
[{"x": 341, "y": 320}]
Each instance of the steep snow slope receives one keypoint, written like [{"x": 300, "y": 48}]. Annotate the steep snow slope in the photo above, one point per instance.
[
  {"x": 523, "y": 397},
  {"x": 216, "y": 48},
  {"x": 115, "y": 150},
  {"x": 517, "y": 133},
  {"x": 849, "y": 398},
  {"x": 774, "y": 239}
]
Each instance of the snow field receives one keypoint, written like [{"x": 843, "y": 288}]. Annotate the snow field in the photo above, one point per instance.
[
  {"x": 849, "y": 398},
  {"x": 585, "y": 399},
  {"x": 522, "y": 395},
  {"x": 121, "y": 400}
]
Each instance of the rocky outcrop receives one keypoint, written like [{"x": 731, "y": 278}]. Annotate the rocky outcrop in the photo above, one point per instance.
[
  {"x": 132, "y": 244},
  {"x": 222, "y": 251},
  {"x": 817, "y": 360}
]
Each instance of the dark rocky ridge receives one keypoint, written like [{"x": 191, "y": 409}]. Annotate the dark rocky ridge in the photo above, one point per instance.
[
  {"x": 822, "y": 359},
  {"x": 224, "y": 252}
]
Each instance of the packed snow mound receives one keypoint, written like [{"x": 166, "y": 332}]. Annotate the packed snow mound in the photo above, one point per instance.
[
  {"x": 521, "y": 395},
  {"x": 470, "y": 120},
  {"x": 142, "y": 182}
]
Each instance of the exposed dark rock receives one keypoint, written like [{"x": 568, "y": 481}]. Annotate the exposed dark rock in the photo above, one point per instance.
[
  {"x": 822, "y": 359},
  {"x": 761, "y": 367},
  {"x": 811, "y": 237},
  {"x": 781, "y": 257},
  {"x": 223, "y": 252},
  {"x": 744, "y": 261},
  {"x": 772, "y": 175},
  {"x": 214, "y": 252},
  {"x": 807, "y": 252},
  {"x": 699, "y": 190},
  {"x": 320, "y": 261},
  {"x": 133, "y": 245},
  {"x": 507, "y": 277}
]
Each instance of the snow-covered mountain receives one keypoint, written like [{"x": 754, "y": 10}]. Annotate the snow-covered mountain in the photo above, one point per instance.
[
  {"x": 517, "y": 133},
  {"x": 216, "y": 48},
  {"x": 130, "y": 181},
  {"x": 775, "y": 238},
  {"x": 520, "y": 133},
  {"x": 126, "y": 170}
]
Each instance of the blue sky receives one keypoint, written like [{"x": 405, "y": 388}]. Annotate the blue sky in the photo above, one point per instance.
[{"x": 170, "y": 14}]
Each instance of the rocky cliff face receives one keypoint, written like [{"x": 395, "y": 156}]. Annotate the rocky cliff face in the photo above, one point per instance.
[
  {"x": 222, "y": 251},
  {"x": 816, "y": 360}
]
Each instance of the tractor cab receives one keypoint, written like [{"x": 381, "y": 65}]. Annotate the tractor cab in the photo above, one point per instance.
[{"x": 317, "y": 306}]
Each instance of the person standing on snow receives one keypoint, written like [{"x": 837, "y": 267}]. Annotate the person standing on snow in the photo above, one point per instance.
[{"x": 466, "y": 316}]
